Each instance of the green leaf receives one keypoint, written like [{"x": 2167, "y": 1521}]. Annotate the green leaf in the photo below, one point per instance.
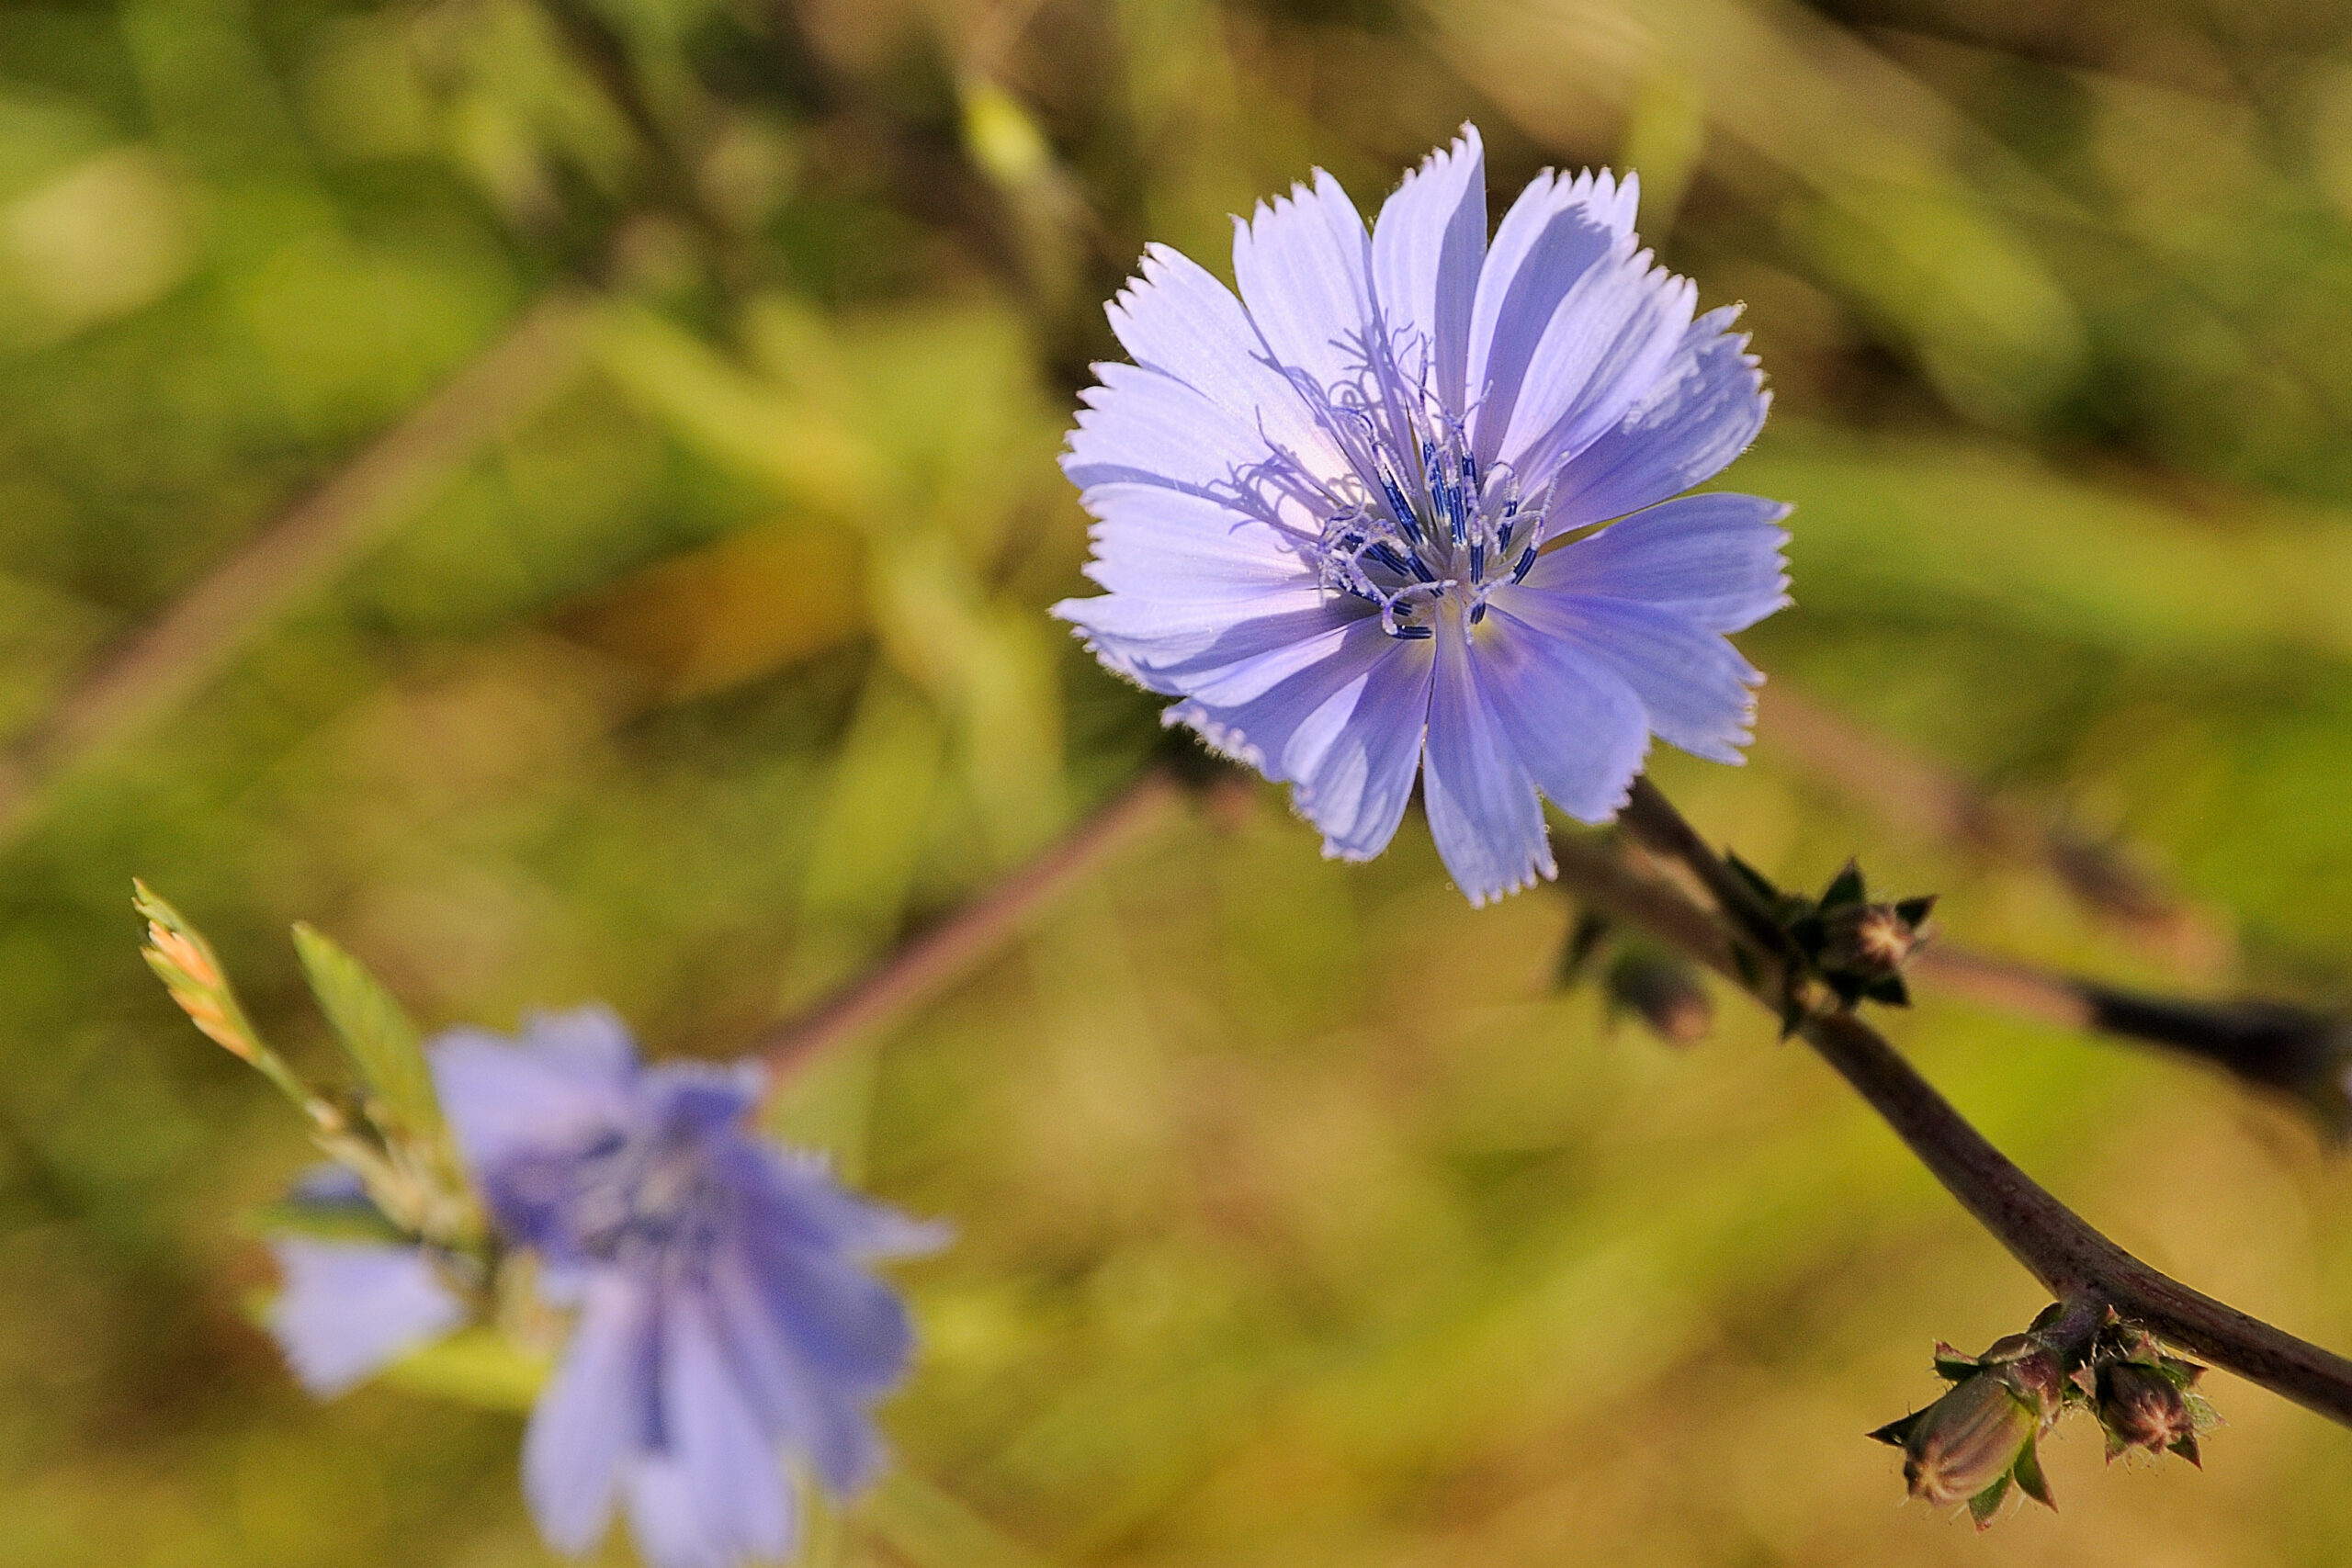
[
  {"x": 2030, "y": 1480},
  {"x": 383, "y": 1045},
  {"x": 1757, "y": 881},
  {"x": 355, "y": 1221},
  {"x": 1896, "y": 1433},
  {"x": 1985, "y": 1504},
  {"x": 1953, "y": 1367},
  {"x": 475, "y": 1366}
]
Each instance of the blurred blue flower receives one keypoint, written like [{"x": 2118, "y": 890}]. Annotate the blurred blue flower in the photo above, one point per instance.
[
  {"x": 1352, "y": 517},
  {"x": 349, "y": 1308},
  {"x": 724, "y": 1322}
]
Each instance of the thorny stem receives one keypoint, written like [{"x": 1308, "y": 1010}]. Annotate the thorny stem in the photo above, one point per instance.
[
  {"x": 949, "y": 951},
  {"x": 2060, "y": 1248}
]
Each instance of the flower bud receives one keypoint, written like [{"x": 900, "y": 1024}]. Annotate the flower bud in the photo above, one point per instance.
[
  {"x": 2145, "y": 1406},
  {"x": 1664, "y": 992},
  {"x": 1868, "y": 941},
  {"x": 1969, "y": 1442},
  {"x": 1856, "y": 946}
]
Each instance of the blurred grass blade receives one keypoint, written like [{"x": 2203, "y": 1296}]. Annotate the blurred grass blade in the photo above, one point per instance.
[
  {"x": 931, "y": 1528},
  {"x": 376, "y": 1034},
  {"x": 476, "y": 1366}
]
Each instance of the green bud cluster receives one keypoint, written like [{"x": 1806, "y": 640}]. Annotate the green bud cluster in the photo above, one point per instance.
[
  {"x": 1850, "y": 944},
  {"x": 1982, "y": 1436},
  {"x": 2144, "y": 1398}
]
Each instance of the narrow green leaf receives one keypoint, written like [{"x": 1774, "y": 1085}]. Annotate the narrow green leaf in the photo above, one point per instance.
[
  {"x": 2030, "y": 1480},
  {"x": 383, "y": 1045},
  {"x": 1897, "y": 1432},
  {"x": 1985, "y": 1504},
  {"x": 476, "y": 1366},
  {"x": 357, "y": 1221}
]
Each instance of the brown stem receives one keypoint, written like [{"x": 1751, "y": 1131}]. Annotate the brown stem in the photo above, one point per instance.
[
  {"x": 180, "y": 650},
  {"x": 949, "y": 951},
  {"x": 2274, "y": 1045},
  {"x": 1922, "y": 798},
  {"x": 2056, "y": 1244}
]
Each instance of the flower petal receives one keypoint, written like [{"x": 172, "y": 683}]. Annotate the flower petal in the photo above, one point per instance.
[
  {"x": 1426, "y": 252},
  {"x": 1714, "y": 557},
  {"x": 1175, "y": 648},
  {"x": 1576, "y": 725},
  {"x": 842, "y": 1339},
  {"x": 600, "y": 1412},
  {"x": 1259, "y": 711},
  {"x": 1554, "y": 233},
  {"x": 734, "y": 1481},
  {"x": 350, "y": 1309},
  {"x": 1173, "y": 547},
  {"x": 1707, "y": 405},
  {"x": 1363, "y": 775},
  {"x": 1143, "y": 427},
  {"x": 1695, "y": 691},
  {"x": 570, "y": 1072},
  {"x": 1176, "y": 318},
  {"x": 1612, "y": 335},
  {"x": 1482, "y": 807},
  {"x": 1304, "y": 264}
]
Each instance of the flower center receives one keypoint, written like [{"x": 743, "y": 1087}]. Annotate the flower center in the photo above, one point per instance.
[
  {"x": 650, "y": 1192},
  {"x": 1417, "y": 526}
]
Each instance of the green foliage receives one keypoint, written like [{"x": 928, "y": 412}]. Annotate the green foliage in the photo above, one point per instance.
[
  {"x": 1301, "y": 1223},
  {"x": 384, "y": 1047}
]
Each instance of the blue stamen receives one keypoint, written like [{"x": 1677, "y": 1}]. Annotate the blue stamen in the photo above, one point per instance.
[
  {"x": 1413, "y": 634},
  {"x": 1477, "y": 612},
  {"x": 1526, "y": 564}
]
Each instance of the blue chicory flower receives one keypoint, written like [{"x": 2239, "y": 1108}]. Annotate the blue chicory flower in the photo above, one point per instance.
[
  {"x": 724, "y": 1322},
  {"x": 1354, "y": 518}
]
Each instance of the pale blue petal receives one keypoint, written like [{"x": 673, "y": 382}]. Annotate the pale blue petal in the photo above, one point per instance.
[
  {"x": 1714, "y": 557},
  {"x": 1553, "y": 234},
  {"x": 1481, "y": 802},
  {"x": 1304, "y": 264},
  {"x": 1143, "y": 427},
  {"x": 1576, "y": 725},
  {"x": 806, "y": 1203},
  {"x": 1259, "y": 711},
  {"x": 1697, "y": 691},
  {"x": 1177, "y": 317},
  {"x": 667, "y": 1521},
  {"x": 1612, "y": 337},
  {"x": 350, "y": 1309},
  {"x": 1165, "y": 545},
  {"x": 1363, "y": 775},
  {"x": 734, "y": 1480},
  {"x": 570, "y": 1072},
  {"x": 598, "y": 1413},
  {"x": 1707, "y": 405},
  {"x": 1427, "y": 248},
  {"x": 1174, "y": 648}
]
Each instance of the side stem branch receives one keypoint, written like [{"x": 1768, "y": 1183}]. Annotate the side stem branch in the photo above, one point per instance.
[
  {"x": 2060, "y": 1248},
  {"x": 941, "y": 956}
]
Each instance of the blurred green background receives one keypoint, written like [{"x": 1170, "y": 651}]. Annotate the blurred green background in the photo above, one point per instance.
[{"x": 690, "y": 651}]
